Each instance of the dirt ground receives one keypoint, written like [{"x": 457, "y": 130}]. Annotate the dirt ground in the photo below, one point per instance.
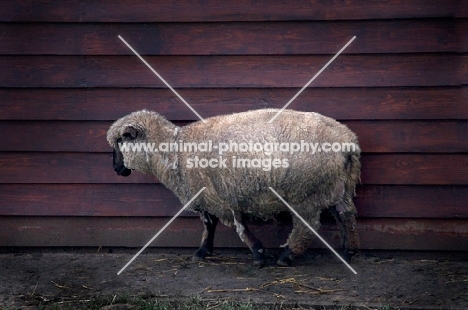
[{"x": 405, "y": 280}]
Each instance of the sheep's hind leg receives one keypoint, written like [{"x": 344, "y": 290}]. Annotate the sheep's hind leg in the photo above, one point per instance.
[
  {"x": 249, "y": 239},
  {"x": 206, "y": 246},
  {"x": 345, "y": 216},
  {"x": 298, "y": 240}
]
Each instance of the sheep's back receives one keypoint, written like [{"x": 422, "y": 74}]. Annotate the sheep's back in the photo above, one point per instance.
[{"x": 306, "y": 178}]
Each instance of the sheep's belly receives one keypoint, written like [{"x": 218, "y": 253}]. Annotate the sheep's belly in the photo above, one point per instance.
[{"x": 262, "y": 204}]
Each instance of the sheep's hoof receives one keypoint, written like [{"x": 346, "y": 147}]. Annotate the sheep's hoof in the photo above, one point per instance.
[
  {"x": 259, "y": 263},
  {"x": 197, "y": 259},
  {"x": 259, "y": 258},
  {"x": 200, "y": 255},
  {"x": 286, "y": 258},
  {"x": 348, "y": 254},
  {"x": 284, "y": 263},
  {"x": 258, "y": 253}
]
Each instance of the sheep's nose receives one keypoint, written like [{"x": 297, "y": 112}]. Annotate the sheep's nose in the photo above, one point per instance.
[{"x": 124, "y": 172}]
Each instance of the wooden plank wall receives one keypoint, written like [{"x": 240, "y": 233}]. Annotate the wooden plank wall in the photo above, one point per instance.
[{"x": 65, "y": 76}]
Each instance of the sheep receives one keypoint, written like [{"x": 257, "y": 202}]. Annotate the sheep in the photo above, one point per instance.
[{"x": 310, "y": 182}]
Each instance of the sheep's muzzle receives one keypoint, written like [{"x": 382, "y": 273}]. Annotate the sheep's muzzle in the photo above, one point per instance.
[{"x": 118, "y": 164}]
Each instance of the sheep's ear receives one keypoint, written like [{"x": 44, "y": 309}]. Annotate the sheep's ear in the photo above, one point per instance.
[{"x": 130, "y": 132}]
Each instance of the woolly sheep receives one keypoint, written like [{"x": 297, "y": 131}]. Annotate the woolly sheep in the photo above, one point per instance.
[{"x": 309, "y": 182}]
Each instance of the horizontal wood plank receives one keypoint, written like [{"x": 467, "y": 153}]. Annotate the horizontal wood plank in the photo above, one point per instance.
[
  {"x": 414, "y": 169},
  {"x": 374, "y": 136},
  {"x": 378, "y": 169},
  {"x": 154, "y": 200},
  {"x": 234, "y": 71},
  {"x": 212, "y": 10},
  {"x": 411, "y": 136},
  {"x": 388, "y": 234},
  {"x": 341, "y": 103},
  {"x": 412, "y": 201},
  {"x": 63, "y": 168},
  {"x": 291, "y": 38}
]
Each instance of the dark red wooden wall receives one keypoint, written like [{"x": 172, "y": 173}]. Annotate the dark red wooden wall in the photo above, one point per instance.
[{"x": 65, "y": 76}]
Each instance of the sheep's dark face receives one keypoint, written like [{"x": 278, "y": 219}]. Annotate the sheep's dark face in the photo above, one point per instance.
[
  {"x": 129, "y": 134},
  {"x": 118, "y": 162},
  {"x": 122, "y": 135}
]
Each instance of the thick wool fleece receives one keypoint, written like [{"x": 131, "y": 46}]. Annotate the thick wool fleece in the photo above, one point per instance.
[{"x": 310, "y": 182}]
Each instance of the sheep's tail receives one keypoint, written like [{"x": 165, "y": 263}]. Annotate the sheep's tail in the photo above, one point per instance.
[
  {"x": 353, "y": 177},
  {"x": 354, "y": 171}
]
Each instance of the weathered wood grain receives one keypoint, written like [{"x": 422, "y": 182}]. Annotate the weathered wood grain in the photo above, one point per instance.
[
  {"x": 437, "y": 103},
  {"x": 414, "y": 169},
  {"x": 411, "y": 201},
  {"x": 377, "y": 169},
  {"x": 388, "y": 234},
  {"x": 134, "y": 200},
  {"x": 257, "y": 38},
  {"x": 154, "y": 200},
  {"x": 411, "y": 136},
  {"x": 234, "y": 71},
  {"x": 212, "y": 10},
  {"x": 374, "y": 136},
  {"x": 401, "y": 86},
  {"x": 62, "y": 168}
]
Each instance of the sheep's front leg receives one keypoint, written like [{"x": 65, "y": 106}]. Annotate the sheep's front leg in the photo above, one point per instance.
[
  {"x": 206, "y": 246},
  {"x": 345, "y": 216},
  {"x": 249, "y": 239}
]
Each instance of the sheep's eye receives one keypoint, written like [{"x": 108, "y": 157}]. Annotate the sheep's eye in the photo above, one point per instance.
[
  {"x": 127, "y": 135},
  {"x": 130, "y": 133}
]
